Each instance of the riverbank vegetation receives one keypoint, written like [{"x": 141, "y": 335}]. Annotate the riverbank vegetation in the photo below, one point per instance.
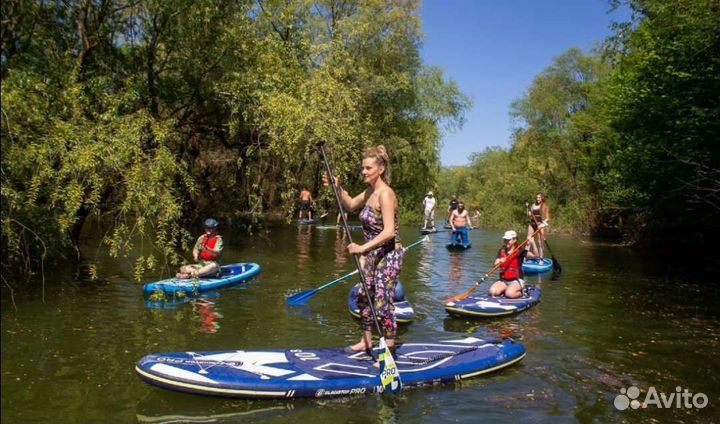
[
  {"x": 624, "y": 140},
  {"x": 148, "y": 115}
]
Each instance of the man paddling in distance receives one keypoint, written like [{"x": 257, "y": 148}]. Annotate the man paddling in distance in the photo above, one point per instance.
[
  {"x": 539, "y": 215},
  {"x": 206, "y": 253},
  {"x": 305, "y": 203},
  {"x": 511, "y": 281},
  {"x": 381, "y": 256},
  {"x": 429, "y": 210},
  {"x": 453, "y": 205},
  {"x": 460, "y": 222}
]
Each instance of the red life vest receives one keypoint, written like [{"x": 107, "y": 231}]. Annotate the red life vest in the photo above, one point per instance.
[
  {"x": 511, "y": 268},
  {"x": 209, "y": 242}
]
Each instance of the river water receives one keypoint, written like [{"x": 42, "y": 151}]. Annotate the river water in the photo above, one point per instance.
[{"x": 613, "y": 320}]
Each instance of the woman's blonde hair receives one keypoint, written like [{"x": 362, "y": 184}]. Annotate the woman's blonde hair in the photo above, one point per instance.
[{"x": 380, "y": 155}]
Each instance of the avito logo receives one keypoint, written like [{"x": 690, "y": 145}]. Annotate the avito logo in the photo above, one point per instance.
[{"x": 680, "y": 398}]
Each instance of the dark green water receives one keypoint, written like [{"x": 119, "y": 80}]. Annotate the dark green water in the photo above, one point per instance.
[{"x": 612, "y": 321}]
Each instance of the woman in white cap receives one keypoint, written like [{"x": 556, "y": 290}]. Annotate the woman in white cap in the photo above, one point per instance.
[
  {"x": 429, "y": 204},
  {"x": 510, "y": 259}
]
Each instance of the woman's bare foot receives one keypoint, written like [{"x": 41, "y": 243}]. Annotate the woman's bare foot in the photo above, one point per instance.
[{"x": 359, "y": 346}]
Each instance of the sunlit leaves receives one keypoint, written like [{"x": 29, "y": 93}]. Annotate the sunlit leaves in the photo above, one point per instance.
[{"x": 151, "y": 113}]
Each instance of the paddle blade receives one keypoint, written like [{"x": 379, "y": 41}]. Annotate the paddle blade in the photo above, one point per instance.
[
  {"x": 389, "y": 372},
  {"x": 463, "y": 295},
  {"x": 557, "y": 269},
  {"x": 556, "y": 265},
  {"x": 300, "y": 299}
]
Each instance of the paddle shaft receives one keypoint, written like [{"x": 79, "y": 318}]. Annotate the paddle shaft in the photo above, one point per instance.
[
  {"x": 303, "y": 297},
  {"x": 347, "y": 230},
  {"x": 337, "y": 280}
]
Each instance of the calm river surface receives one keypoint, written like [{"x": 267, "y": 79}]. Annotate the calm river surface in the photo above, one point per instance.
[{"x": 613, "y": 320}]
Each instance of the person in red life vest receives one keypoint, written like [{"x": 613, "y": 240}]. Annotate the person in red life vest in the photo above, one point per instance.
[
  {"x": 511, "y": 281},
  {"x": 206, "y": 253}
]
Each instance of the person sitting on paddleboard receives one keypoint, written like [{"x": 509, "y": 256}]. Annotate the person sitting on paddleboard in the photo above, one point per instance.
[
  {"x": 381, "y": 254},
  {"x": 460, "y": 222},
  {"x": 511, "y": 280},
  {"x": 206, "y": 253},
  {"x": 453, "y": 205},
  {"x": 305, "y": 204},
  {"x": 539, "y": 215},
  {"x": 429, "y": 210}
]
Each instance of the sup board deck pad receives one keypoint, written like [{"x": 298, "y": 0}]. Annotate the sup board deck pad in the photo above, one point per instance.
[
  {"x": 491, "y": 306},
  {"x": 231, "y": 275},
  {"x": 317, "y": 373},
  {"x": 537, "y": 265},
  {"x": 404, "y": 311}
]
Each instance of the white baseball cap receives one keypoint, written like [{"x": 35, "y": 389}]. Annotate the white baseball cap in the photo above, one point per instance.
[
  {"x": 429, "y": 193},
  {"x": 510, "y": 234}
]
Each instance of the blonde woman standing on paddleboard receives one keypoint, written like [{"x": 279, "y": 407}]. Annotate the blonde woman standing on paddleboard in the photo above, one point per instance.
[{"x": 381, "y": 256}]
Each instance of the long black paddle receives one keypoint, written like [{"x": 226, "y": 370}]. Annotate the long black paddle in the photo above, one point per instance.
[
  {"x": 557, "y": 268},
  {"x": 300, "y": 299},
  {"x": 389, "y": 372}
]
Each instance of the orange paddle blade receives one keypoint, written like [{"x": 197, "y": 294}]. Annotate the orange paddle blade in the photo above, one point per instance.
[{"x": 464, "y": 295}]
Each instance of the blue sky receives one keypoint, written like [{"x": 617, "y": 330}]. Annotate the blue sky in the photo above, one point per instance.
[{"x": 494, "y": 49}]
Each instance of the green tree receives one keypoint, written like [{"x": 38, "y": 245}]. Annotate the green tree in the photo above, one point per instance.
[
  {"x": 663, "y": 105},
  {"x": 150, "y": 114}
]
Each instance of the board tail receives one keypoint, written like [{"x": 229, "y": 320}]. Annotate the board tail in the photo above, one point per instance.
[{"x": 389, "y": 373}]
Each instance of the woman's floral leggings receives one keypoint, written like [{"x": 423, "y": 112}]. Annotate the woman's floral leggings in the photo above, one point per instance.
[{"x": 381, "y": 268}]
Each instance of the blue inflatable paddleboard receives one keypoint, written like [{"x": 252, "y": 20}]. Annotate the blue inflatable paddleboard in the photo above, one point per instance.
[
  {"x": 318, "y": 373},
  {"x": 428, "y": 231},
  {"x": 305, "y": 221},
  {"x": 537, "y": 265},
  {"x": 404, "y": 311},
  {"x": 491, "y": 306},
  {"x": 231, "y": 275}
]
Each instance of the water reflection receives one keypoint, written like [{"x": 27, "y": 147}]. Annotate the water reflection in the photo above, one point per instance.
[
  {"x": 235, "y": 411},
  {"x": 341, "y": 255},
  {"x": 303, "y": 241},
  {"x": 205, "y": 312},
  {"x": 455, "y": 273},
  {"x": 175, "y": 300},
  {"x": 427, "y": 260}
]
